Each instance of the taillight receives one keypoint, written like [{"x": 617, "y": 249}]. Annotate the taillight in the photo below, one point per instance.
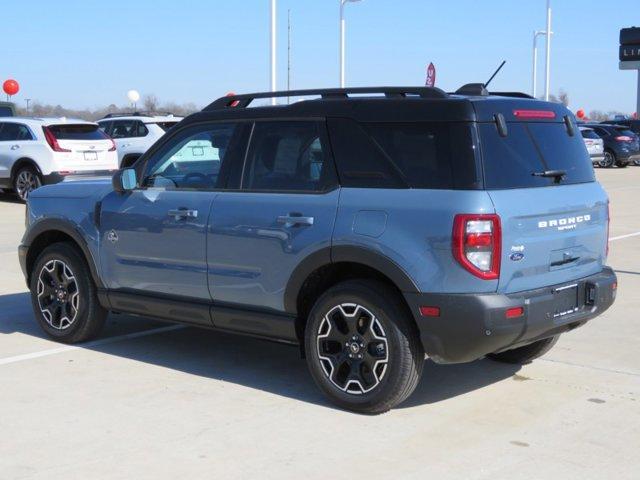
[
  {"x": 53, "y": 141},
  {"x": 113, "y": 145},
  {"x": 477, "y": 241},
  {"x": 623, "y": 138}
]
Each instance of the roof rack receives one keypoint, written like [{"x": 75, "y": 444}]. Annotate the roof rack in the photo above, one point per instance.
[
  {"x": 479, "y": 89},
  {"x": 138, "y": 114},
  {"x": 243, "y": 101}
]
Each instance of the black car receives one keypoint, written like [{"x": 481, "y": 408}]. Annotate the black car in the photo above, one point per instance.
[
  {"x": 631, "y": 124},
  {"x": 621, "y": 146}
]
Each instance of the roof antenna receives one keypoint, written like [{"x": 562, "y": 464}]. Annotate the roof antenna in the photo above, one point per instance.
[{"x": 494, "y": 74}]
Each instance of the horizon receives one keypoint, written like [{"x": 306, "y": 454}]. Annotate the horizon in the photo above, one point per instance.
[{"x": 186, "y": 57}]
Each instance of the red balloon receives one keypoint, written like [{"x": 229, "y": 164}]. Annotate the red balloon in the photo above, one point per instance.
[
  {"x": 580, "y": 114},
  {"x": 10, "y": 87}
]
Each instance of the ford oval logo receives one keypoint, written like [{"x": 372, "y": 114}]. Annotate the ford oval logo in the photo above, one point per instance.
[{"x": 516, "y": 256}]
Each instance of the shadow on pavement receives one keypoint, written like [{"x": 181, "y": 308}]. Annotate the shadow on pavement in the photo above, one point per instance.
[
  {"x": 246, "y": 361},
  {"x": 9, "y": 198}
]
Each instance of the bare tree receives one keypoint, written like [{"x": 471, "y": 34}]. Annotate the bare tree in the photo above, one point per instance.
[{"x": 150, "y": 103}]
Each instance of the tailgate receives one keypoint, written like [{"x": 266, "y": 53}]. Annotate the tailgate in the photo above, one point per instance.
[{"x": 551, "y": 235}]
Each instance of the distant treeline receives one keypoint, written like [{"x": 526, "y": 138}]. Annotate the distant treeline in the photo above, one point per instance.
[{"x": 148, "y": 103}]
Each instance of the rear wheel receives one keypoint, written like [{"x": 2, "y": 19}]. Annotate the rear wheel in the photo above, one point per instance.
[
  {"x": 527, "y": 353},
  {"x": 363, "y": 350},
  {"x": 64, "y": 296},
  {"x": 609, "y": 159},
  {"x": 26, "y": 181},
  {"x": 637, "y": 162}
]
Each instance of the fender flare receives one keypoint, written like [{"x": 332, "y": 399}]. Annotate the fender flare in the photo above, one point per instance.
[
  {"x": 344, "y": 253},
  {"x": 70, "y": 229}
]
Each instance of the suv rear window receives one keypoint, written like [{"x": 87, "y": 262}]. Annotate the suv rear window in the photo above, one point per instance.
[
  {"x": 589, "y": 134},
  {"x": 625, "y": 131},
  {"x": 405, "y": 155},
  {"x": 77, "y": 132},
  {"x": 511, "y": 161}
]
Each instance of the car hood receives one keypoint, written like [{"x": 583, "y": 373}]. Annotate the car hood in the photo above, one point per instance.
[{"x": 75, "y": 188}]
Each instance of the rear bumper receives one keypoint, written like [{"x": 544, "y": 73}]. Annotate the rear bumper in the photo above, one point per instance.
[
  {"x": 56, "y": 177},
  {"x": 472, "y": 325},
  {"x": 597, "y": 157}
]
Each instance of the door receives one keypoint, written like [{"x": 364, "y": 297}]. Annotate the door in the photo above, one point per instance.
[
  {"x": 153, "y": 239},
  {"x": 284, "y": 210},
  {"x": 14, "y": 137}
]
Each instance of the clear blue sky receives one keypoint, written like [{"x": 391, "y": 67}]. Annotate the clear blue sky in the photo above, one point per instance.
[{"x": 89, "y": 53}]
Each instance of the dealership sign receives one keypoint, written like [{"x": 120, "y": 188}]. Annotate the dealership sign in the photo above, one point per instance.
[{"x": 630, "y": 44}]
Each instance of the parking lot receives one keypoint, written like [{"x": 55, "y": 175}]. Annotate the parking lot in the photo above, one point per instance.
[{"x": 151, "y": 400}]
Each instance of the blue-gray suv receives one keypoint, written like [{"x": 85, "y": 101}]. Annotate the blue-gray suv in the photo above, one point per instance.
[{"x": 368, "y": 226}]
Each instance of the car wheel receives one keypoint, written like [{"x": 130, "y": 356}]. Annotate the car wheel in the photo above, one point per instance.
[
  {"x": 64, "y": 296},
  {"x": 609, "y": 159},
  {"x": 362, "y": 347},
  {"x": 637, "y": 162},
  {"x": 26, "y": 181},
  {"x": 527, "y": 353}
]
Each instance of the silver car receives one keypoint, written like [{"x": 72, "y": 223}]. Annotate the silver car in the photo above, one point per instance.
[{"x": 594, "y": 144}]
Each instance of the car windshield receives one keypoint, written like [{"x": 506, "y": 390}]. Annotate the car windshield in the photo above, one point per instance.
[{"x": 77, "y": 132}]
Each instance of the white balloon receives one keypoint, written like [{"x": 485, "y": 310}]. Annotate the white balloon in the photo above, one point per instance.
[{"x": 133, "y": 96}]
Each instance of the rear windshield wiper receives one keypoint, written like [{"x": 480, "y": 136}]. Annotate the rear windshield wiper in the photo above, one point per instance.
[{"x": 557, "y": 175}]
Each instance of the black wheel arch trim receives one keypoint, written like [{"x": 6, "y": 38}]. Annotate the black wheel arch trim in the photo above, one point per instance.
[
  {"x": 68, "y": 228},
  {"x": 339, "y": 254},
  {"x": 17, "y": 165}
]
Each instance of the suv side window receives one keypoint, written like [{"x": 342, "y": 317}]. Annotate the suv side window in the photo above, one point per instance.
[
  {"x": 198, "y": 157},
  {"x": 15, "y": 132},
  {"x": 105, "y": 127},
  {"x": 288, "y": 156},
  {"x": 128, "y": 129}
]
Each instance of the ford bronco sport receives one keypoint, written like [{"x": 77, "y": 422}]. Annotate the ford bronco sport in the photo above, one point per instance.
[{"x": 369, "y": 226}]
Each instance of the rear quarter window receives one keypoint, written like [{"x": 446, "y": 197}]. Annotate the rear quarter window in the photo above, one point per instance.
[{"x": 530, "y": 147}]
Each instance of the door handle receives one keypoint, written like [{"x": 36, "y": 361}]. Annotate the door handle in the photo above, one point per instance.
[
  {"x": 294, "y": 219},
  {"x": 15, "y": 147},
  {"x": 180, "y": 213}
]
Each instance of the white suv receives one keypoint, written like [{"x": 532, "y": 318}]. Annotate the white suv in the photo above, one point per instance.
[
  {"x": 37, "y": 151},
  {"x": 135, "y": 132}
]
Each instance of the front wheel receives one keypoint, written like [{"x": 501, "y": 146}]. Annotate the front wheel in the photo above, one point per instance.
[
  {"x": 363, "y": 349},
  {"x": 64, "y": 296},
  {"x": 526, "y": 354}
]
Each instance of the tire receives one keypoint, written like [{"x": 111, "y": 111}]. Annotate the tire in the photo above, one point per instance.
[
  {"x": 609, "y": 159},
  {"x": 381, "y": 351},
  {"x": 63, "y": 295},
  {"x": 622, "y": 164},
  {"x": 637, "y": 162},
  {"x": 525, "y": 354},
  {"x": 26, "y": 180}
]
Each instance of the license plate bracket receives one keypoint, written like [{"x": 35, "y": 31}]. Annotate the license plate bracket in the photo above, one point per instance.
[{"x": 565, "y": 300}]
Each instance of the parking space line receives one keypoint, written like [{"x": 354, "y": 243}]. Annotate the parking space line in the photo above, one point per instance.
[
  {"x": 620, "y": 237},
  {"x": 95, "y": 343}
]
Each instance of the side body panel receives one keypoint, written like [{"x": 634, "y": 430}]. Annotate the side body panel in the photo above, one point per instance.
[{"x": 413, "y": 228}]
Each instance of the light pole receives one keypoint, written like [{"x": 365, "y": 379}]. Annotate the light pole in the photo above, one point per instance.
[
  {"x": 548, "y": 56},
  {"x": 273, "y": 49},
  {"x": 534, "y": 74},
  {"x": 342, "y": 4},
  {"x": 27, "y": 100}
]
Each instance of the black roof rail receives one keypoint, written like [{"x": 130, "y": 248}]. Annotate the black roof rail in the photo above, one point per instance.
[
  {"x": 243, "y": 101},
  {"x": 138, "y": 114}
]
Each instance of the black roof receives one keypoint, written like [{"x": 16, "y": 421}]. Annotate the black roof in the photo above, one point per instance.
[{"x": 381, "y": 104}]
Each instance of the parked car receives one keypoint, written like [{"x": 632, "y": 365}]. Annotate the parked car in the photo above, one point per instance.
[
  {"x": 594, "y": 144},
  {"x": 135, "y": 132},
  {"x": 7, "y": 109},
  {"x": 631, "y": 124},
  {"x": 621, "y": 145},
  {"x": 369, "y": 226},
  {"x": 37, "y": 151}
]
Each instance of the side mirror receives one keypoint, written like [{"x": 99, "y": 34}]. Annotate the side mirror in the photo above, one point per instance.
[{"x": 124, "y": 180}]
